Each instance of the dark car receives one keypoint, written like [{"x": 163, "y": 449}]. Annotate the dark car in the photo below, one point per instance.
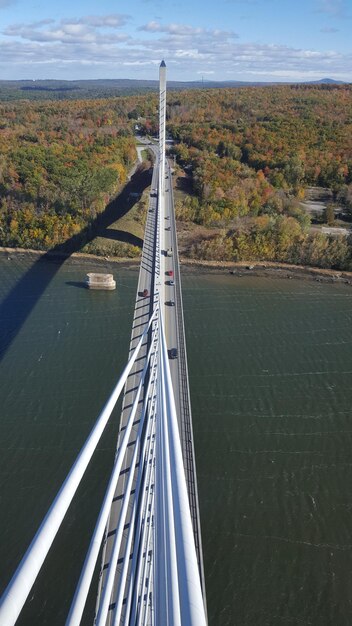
[
  {"x": 173, "y": 353},
  {"x": 170, "y": 303}
]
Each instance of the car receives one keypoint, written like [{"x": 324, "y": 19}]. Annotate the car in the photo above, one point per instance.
[
  {"x": 170, "y": 303},
  {"x": 167, "y": 217},
  {"x": 145, "y": 293},
  {"x": 173, "y": 353},
  {"x": 171, "y": 283},
  {"x": 169, "y": 273},
  {"x": 168, "y": 228}
]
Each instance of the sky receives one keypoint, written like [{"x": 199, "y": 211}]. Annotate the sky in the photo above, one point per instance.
[{"x": 246, "y": 40}]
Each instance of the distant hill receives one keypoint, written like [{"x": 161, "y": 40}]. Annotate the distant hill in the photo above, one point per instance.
[
  {"x": 326, "y": 81},
  {"x": 107, "y": 88}
]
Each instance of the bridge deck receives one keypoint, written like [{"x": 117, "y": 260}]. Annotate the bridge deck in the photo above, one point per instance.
[
  {"x": 179, "y": 373},
  {"x": 175, "y": 337}
]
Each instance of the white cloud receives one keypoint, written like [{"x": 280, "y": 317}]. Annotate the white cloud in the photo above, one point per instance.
[
  {"x": 113, "y": 20},
  {"x": 172, "y": 29},
  {"x": 151, "y": 27},
  {"x": 334, "y": 8},
  {"x": 71, "y": 46},
  {"x": 82, "y": 30},
  {"x": 184, "y": 30}
]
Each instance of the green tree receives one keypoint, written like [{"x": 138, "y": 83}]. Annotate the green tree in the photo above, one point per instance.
[{"x": 329, "y": 214}]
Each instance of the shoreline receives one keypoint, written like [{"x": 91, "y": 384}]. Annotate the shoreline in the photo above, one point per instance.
[
  {"x": 190, "y": 266},
  {"x": 273, "y": 269},
  {"x": 75, "y": 257}
]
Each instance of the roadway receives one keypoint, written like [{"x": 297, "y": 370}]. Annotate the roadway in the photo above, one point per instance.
[
  {"x": 142, "y": 311},
  {"x": 175, "y": 338}
]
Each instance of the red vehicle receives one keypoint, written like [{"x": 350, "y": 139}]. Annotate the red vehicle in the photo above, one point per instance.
[
  {"x": 145, "y": 293},
  {"x": 169, "y": 273}
]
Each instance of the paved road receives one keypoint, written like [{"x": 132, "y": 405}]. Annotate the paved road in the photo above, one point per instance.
[
  {"x": 142, "y": 312},
  {"x": 173, "y": 315},
  {"x": 175, "y": 335}
]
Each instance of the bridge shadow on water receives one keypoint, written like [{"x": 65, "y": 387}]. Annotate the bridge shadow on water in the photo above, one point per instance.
[{"x": 20, "y": 301}]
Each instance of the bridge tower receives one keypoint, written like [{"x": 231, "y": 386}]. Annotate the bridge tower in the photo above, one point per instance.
[{"x": 162, "y": 124}]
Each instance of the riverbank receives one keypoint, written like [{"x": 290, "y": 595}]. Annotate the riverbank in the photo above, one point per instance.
[
  {"x": 75, "y": 257},
  {"x": 267, "y": 268},
  {"x": 239, "y": 269}
]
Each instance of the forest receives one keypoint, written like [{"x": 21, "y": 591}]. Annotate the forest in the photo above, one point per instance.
[
  {"x": 60, "y": 163},
  {"x": 249, "y": 155},
  {"x": 245, "y": 157},
  {"x": 93, "y": 89}
]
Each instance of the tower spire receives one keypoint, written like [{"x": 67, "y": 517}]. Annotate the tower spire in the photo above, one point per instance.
[{"x": 162, "y": 122}]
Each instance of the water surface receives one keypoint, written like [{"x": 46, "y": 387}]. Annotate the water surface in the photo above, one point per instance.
[
  {"x": 270, "y": 375},
  {"x": 270, "y": 366}
]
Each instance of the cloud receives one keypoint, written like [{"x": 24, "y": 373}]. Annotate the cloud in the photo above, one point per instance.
[
  {"x": 329, "y": 29},
  {"x": 184, "y": 30},
  {"x": 171, "y": 29},
  {"x": 100, "y": 47},
  {"x": 334, "y": 8},
  {"x": 91, "y": 28},
  {"x": 114, "y": 20}
]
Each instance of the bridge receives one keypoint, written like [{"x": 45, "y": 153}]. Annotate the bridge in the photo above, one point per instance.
[{"x": 147, "y": 536}]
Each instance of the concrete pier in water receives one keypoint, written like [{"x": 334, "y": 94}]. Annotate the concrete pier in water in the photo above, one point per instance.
[{"x": 100, "y": 281}]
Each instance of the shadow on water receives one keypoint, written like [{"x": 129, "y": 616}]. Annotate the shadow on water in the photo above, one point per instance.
[
  {"x": 76, "y": 283},
  {"x": 22, "y": 298}
]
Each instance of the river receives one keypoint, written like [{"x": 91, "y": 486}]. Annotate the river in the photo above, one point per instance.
[{"x": 270, "y": 365}]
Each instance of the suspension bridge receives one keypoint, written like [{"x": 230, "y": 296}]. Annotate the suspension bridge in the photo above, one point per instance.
[{"x": 147, "y": 539}]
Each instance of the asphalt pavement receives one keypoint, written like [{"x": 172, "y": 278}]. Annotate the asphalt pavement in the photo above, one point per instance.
[{"x": 174, "y": 330}]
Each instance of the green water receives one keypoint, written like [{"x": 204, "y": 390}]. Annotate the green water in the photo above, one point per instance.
[{"x": 270, "y": 365}]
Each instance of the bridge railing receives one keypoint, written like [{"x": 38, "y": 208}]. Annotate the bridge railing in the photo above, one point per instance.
[
  {"x": 80, "y": 598},
  {"x": 178, "y": 593}
]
